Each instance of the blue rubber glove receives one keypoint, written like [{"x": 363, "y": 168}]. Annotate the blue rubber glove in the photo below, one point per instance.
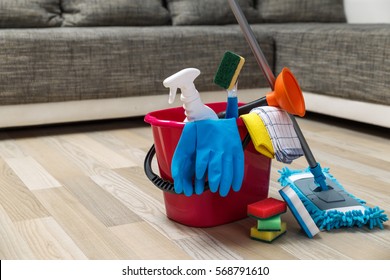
[
  {"x": 183, "y": 160},
  {"x": 219, "y": 152}
]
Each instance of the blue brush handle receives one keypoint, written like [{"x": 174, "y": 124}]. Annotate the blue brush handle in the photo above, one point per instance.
[{"x": 232, "y": 108}]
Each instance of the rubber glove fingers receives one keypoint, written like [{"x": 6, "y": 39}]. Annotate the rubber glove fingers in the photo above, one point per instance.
[
  {"x": 210, "y": 165},
  {"x": 238, "y": 165},
  {"x": 199, "y": 184},
  {"x": 232, "y": 173},
  {"x": 202, "y": 161},
  {"x": 182, "y": 175},
  {"x": 186, "y": 180},
  {"x": 219, "y": 152},
  {"x": 215, "y": 171},
  {"x": 183, "y": 160},
  {"x": 227, "y": 178}
]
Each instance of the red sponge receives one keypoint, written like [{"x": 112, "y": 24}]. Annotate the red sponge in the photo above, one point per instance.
[{"x": 267, "y": 208}]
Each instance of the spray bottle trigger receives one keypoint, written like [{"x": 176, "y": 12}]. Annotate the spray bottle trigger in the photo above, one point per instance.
[{"x": 172, "y": 94}]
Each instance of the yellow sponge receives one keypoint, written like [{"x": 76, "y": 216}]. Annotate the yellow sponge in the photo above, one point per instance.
[
  {"x": 228, "y": 70},
  {"x": 267, "y": 236}
]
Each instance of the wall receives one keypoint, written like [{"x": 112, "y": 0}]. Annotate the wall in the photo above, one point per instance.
[{"x": 367, "y": 11}]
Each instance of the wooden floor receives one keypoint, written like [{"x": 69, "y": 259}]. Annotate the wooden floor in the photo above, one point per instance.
[{"x": 79, "y": 192}]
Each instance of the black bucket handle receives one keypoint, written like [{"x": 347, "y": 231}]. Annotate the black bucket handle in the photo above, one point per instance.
[{"x": 153, "y": 177}]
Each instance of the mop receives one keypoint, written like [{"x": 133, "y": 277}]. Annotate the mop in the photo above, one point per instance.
[{"x": 328, "y": 203}]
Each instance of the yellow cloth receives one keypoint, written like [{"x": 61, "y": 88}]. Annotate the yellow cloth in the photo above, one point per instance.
[{"x": 259, "y": 134}]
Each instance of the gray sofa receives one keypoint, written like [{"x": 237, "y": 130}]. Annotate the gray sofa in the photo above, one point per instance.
[{"x": 75, "y": 60}]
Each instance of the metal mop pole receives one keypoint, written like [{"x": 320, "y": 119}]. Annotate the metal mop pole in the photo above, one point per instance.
[{"x": 261, "y": 60}]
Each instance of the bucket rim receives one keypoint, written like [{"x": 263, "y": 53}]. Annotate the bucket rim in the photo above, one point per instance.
[{"x": 154, "y": 121}]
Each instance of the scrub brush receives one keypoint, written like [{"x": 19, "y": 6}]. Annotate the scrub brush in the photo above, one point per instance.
[{"x": 226, "y": 77}]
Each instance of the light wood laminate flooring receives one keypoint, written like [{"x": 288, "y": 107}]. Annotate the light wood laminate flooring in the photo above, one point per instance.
[{"x": 78, "y": 191}]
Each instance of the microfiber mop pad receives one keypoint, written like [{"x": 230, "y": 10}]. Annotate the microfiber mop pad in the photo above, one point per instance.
[
  {"x": 348, "y": 212},
  {"x": 299, "y": 211}
]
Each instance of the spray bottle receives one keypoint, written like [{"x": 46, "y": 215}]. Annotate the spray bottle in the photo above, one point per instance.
[{"x": 194, "y": 108}]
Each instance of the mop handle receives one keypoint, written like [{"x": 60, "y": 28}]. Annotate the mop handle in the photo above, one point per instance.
[
  {"x": 261, "y": 60},
  {"x": 253, "y": 44}
]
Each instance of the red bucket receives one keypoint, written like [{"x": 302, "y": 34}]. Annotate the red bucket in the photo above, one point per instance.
[{"x": 208, "y": 209}]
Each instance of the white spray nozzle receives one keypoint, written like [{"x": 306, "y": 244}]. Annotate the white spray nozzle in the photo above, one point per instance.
[
  {"x": 192, "y": 104},
  {"x": 172, "y": 94},
  {"x": 183, "y": 79}
]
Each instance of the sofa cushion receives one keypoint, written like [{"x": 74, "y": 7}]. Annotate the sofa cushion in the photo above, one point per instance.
[
  {"x": 64, "y": 64},
  {"x": 30, "y": 13},
  {"x": 114, "y": 13},
  {"x": 206, "y": 12},
  {"x": 342, "y": 60},
  {"x": 301, "y": 10}
]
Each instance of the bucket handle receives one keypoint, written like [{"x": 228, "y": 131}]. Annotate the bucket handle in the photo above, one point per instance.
[
  {"x": 153, "y": 177},
  {"x": 159, "y": 182}
]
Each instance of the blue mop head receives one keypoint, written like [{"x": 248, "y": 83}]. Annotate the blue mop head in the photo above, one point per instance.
[{"x": 339, "y": 216}]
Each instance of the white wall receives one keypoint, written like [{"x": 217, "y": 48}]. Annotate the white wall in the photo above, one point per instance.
[{"x": 367, "y": 11}]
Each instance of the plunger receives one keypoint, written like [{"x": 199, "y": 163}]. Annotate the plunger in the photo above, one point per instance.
[
  {"x": 277, "y": 86},
  {"x": 286, "y": 95}
]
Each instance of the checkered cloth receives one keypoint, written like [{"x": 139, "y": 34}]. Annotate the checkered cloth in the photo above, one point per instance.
[{"x": 282, "y": 133}]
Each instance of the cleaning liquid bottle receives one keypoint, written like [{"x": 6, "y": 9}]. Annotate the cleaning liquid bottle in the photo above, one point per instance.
[{"x": 194, "y": 108}]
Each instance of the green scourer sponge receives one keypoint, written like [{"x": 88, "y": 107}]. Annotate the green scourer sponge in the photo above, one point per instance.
[
  {"x": 269, "y": 224},
  {"x": 228, "y": 70}
]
